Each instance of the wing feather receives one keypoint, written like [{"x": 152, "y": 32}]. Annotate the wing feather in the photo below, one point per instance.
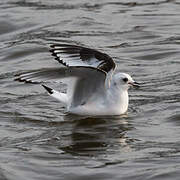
[
  {"x": 89, "y": 71},
  {"x": 83, "y": 82},
  {"x": 72, "y": 55}
]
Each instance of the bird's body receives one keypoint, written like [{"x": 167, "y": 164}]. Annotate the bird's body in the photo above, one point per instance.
[
  {"x": 108, "y": 101},
  {"x": 93, "y": 88},
  {"x": 104, "y": 105}
]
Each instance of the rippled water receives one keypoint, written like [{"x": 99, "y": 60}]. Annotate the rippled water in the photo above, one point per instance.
[{"x": 38, "y": 141}]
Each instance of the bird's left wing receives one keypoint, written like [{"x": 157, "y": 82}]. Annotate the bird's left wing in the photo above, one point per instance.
[{"x": 42, "y": 75}]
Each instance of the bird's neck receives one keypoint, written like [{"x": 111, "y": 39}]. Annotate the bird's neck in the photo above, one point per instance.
[{"x": 119, "y": 97}]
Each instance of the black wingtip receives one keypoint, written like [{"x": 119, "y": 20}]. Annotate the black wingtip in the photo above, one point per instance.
[
  {"x": 26, "y": 80},
  {"x": 49, "y": 90},
  {"x": 52, "y": 45},
  {"x": 51, "y": 50}
]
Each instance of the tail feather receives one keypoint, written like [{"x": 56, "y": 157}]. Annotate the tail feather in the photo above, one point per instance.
[
  {"x": 49, "y": 90},
  {"x": 57, "y": 95}
]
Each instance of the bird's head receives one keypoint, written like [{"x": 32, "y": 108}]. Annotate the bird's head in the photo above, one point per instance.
[{"x": 125, "y": 81}]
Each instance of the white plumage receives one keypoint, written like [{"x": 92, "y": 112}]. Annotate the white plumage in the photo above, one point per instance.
[{"x": 93, "y": 88}]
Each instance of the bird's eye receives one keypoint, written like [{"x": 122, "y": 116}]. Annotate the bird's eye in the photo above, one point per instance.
[{"x": 125, "y": 79}]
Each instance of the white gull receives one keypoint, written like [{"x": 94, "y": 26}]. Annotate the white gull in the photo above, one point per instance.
[{"x": 92, "y": 87}]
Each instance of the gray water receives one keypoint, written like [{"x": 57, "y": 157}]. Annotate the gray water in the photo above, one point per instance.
[{"x": 38, "y": 141}]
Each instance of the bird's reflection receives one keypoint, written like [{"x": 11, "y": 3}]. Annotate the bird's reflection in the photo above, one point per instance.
[{"x": 92, "y": 135}]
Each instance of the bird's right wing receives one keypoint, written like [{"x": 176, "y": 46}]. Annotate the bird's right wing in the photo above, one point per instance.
[{"x": 75, "y": 56}]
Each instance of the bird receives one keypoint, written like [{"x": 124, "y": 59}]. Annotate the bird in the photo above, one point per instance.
[{"x": 93, "y": 86}]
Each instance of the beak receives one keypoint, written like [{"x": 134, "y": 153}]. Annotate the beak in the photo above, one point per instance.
[{"x": 134, "y": 84}]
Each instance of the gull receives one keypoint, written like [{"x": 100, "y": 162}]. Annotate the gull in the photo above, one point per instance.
[{"x": 92, "y": 86}]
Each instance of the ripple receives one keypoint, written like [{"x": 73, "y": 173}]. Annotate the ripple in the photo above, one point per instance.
[{"x": 39, "y": 141}]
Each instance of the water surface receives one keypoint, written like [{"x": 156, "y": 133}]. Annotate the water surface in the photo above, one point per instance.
[{"x": 38, "y": 141}]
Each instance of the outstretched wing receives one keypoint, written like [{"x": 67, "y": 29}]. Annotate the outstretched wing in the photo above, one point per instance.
[
  {"x": 71, "y": 55},
  {"x": 83, "y": 82},
  {"x": 42, "y": 75}
]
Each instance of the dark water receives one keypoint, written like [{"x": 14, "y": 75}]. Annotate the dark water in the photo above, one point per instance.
[{"x": 37, "y": 141}]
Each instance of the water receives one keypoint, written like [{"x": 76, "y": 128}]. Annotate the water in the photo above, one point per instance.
[{"x": 37, "y": 141}]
